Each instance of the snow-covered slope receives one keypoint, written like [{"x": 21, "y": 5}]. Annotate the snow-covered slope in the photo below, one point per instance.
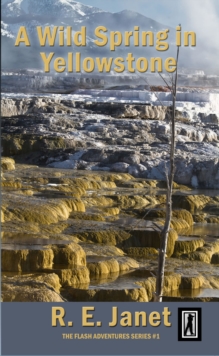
[
  {"x": 5, "y": 30},
  {"x": 32, "y": 13},
  {"x": 51, "y": 8}
]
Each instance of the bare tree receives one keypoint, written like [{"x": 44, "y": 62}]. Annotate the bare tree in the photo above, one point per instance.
[
  {"x": 169, "y": 178},
  {"x": 164, "y": 232}
]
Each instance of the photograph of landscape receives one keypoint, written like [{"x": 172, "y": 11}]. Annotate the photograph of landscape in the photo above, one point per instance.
[{"x": 86, "y": 153}]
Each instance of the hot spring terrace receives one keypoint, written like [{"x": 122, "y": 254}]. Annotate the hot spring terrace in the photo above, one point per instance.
[
  {"x": 207, "y": 99},
  {"x": 194, "y": 102}
]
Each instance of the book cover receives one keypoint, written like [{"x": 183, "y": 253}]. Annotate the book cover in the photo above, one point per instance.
[{"x": 110, "y": 177}]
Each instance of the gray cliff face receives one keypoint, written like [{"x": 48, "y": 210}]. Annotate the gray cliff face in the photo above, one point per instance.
[{"x": 110, "y": 137}]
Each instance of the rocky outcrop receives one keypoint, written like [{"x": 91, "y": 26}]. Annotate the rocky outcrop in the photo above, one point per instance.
[
  {"x": 7, "y": 164},
  {"x": 106, "y": 267},
  {"x": 20, "y": 208},
  {"x": 204, "y": 253},
  {"x": 172, "y": 282},
  {"x": 25, "y": 258},
  {"x": 77, "y": 276},
  {"x": 149, "y": 238},
  {"x": 70, "y": 254},
  {"x": 31, "y": 288},
  {"x": 134, "y": 294},
  {"x": 21, "y": 260},
  {"x": 183, "y": 247},
  {"x": 17, "y": 107},
  {"x": 110, "y": 137}
]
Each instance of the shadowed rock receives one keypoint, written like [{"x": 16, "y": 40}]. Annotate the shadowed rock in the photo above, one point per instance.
[
  {"x": 191, "y": 203},
  {"x": 141, "y": 251},
  {"x": 191, "y": 282},
  {"x": 215, "y": 258},
  {"x": 149, "y": 238},
  {"x": 69, "y": 255},
  {"x": 183, "y": 247},
  {"x": 171, "y": 282},
  {"x": 135, "y": 294},
  {"x": 19, "y": 260}
]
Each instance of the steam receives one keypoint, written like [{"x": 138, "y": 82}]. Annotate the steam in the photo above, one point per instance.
[
  {"x": 200, "y": 16},
  {"x": 203, "y": 17}
]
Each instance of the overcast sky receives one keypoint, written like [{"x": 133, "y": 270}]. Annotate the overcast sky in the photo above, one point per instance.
[
  {"x": 201, "y": 16},
  {"x": 169, "y": 12}
]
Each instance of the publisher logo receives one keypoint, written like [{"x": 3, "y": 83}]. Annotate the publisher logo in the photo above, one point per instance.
[{"x": 189, "y": 324}]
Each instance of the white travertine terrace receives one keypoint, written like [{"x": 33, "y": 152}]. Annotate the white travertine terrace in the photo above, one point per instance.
[
  {"x": 207, "y": 99},
  {"x": 193, "y": 103}
]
